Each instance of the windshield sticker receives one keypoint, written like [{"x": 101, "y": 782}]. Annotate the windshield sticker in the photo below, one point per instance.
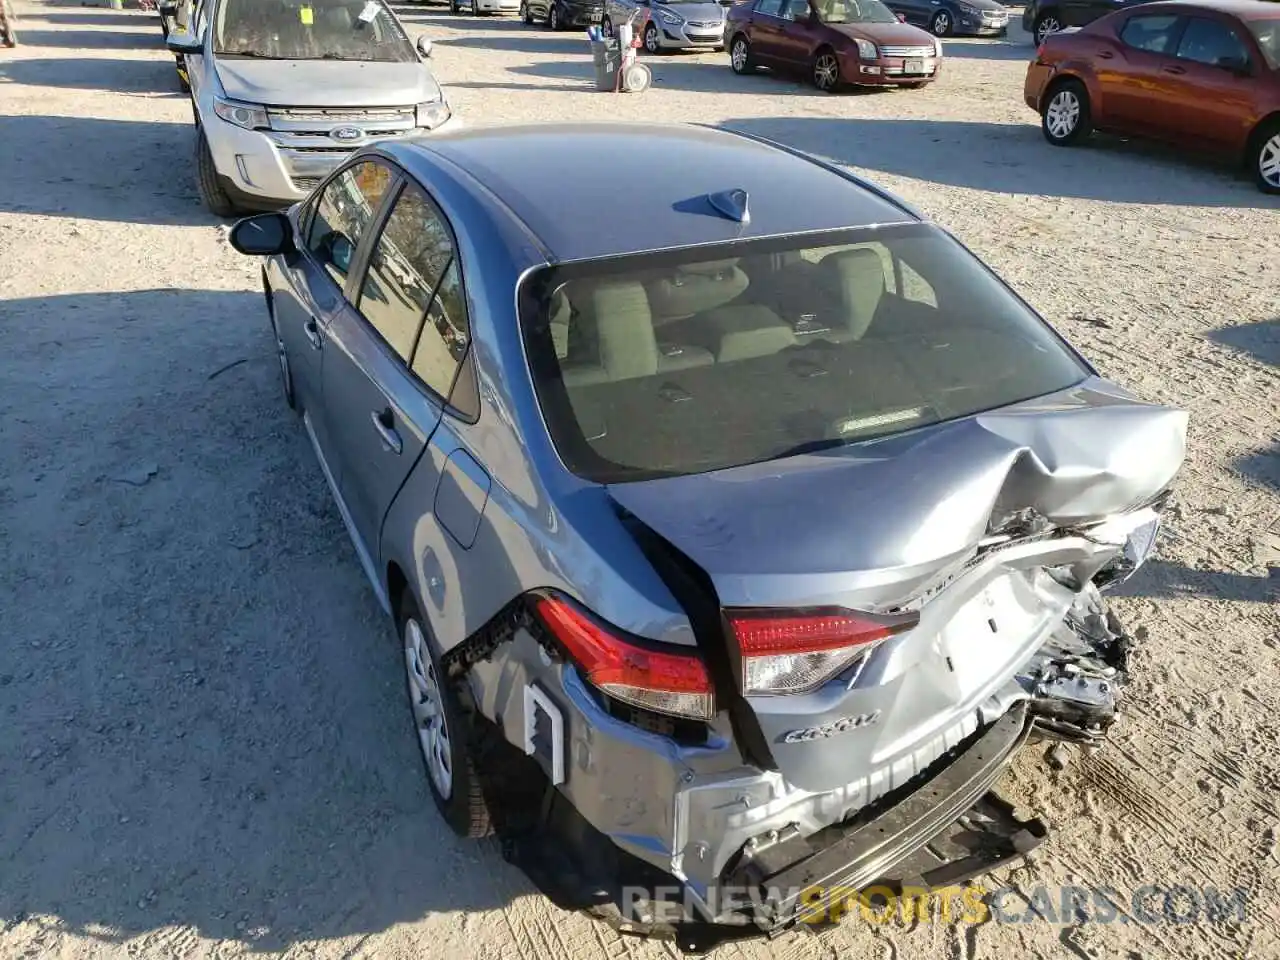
[
  {"x": 369, "y": 12},
  {"x": 306, "y": 15}
]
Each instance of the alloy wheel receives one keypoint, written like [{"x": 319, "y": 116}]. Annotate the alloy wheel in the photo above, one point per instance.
[
  {"x": 1046, "y": 26},
  {"x": 428, "y": 709},
  {"x": 553, "y": 17},
  {"x": 942, "y": 23},
  {"x": 1269, "y": 162},
  {"x": 738, "y": 55},
  {"x": 826, "y": 71},
  {"x": 1063, "y": 114},
  {"x": 651, "y": 39}
]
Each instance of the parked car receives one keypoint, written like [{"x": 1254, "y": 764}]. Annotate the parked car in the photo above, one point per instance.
[
  {"x": 1203, "y": 75},
  {"x": 670, "y": 24},
  {"x": 1043, "y": 17},
  {"x": 477, "y": 7},
  {"x": 732, "y": 547},
  {"x": 284, "y": 91},
  {"x": 562, "y": 14},
  {"x": 945, "y": 18},
  {"x": 837, "y": 42}
]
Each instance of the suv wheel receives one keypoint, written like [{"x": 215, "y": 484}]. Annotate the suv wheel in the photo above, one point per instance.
[
  {"x": 740, "y": 56},
  {"x": 1064, "y": 116},
  {"x": 441, "y": 728},
  {"x": 208, "y": 184},
  {"x": 525, "y": 15},
  {"x": 1046, "y": 24},
  {"x": 553, "y": 16},
  {"x": 1266, "y": 157},
  {"x": 941, "y": 24}
]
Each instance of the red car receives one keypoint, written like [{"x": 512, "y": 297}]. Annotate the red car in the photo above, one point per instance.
[
  {"x": 1203, "y": 75},
  {"x": 836, "y": 42}
]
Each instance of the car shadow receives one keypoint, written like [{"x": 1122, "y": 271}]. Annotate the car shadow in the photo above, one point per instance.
[
  {"x": 553, "y": 43},
  {"x": 1260, "y": 340},
  {"x": 1159, "y": 579},
  {"x": 90, "y": 18},
  {"x": 135, "y": 172},
  {"x": 92, "y": 39},
  {"x": 95, "y": 73},
  {"x": 687, "y": 71},
  {"x": 981, "y": 48},
  {"x": 208, "y": 730},
  {"x": 1012, "y": 158}
]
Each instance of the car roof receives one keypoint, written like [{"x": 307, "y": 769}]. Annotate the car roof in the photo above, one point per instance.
[
  {"x": 1244, "y": 9},
  {"x": 593, "y": 190}
]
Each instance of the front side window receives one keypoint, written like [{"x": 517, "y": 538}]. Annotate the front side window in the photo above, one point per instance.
[
  {"x": 854, "y": 11},
  {"x": 343, "y": 212},
  {"x": 1212, "y": 43},
  {"x": 795, "y": 9},
  {"x": 689, "y": 361},
  {"x": 770, "y": 8},
  {"x": 1154, "y": 34},
  {"x": 310, "y": 30}
]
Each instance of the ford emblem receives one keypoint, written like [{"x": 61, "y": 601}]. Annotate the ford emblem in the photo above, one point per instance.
[{"x": 346, "y": 134}]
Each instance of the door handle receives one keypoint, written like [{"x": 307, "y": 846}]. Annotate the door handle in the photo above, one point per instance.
[
  {"x": 313, "y": 332},
  {"x": 1105, "y": 54},
  {"x": 385, "y": 425},
  {"x": 1174, "y": 69}
]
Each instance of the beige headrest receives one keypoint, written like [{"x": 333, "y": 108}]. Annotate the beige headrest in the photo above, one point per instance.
[
  {"x": 750, "y": 331},
  {"x": 561, "y": 312},
  {"x": 624, "y": 329},
  {"x": 858, "y": 277},
  {"x": 696, "y": 288}
]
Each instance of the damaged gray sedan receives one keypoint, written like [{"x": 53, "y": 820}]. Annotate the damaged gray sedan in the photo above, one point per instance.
[{"x": 738, "y": 533}]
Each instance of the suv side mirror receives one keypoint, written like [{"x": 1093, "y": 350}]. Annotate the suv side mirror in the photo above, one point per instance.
[
  {"x": 264, "y": 235},
  {"x": 184, "y": 42},
  {"x": 424, "y": 47}
]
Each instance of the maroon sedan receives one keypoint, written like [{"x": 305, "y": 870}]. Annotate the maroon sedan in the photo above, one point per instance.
[
  {"x": 1203, "y": 75},
  {"x": 836, "y": 42}
]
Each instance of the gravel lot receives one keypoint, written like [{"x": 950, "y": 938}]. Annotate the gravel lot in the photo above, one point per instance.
[{"x": 203, "y": 749}]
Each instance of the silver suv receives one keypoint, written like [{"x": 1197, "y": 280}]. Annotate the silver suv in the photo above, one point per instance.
[{"x": 284, "y": 90}]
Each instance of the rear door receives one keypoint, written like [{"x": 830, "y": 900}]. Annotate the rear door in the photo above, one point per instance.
[
  {"x": 1135, "y": 85},
  {"x": 1213, "y": 85},
  {"x": 396, "y": 352},
  {"x": 766, "y": 30},
  {"x": 798, "y": 37}
]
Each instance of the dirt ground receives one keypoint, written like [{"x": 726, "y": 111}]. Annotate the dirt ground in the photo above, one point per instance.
[{"x": 204, "y": 750}]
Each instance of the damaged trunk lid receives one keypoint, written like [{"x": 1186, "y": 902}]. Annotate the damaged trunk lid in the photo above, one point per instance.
[{"x": 880, "y": 597}]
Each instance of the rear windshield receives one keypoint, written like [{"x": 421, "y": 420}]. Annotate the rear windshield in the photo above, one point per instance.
[
  {"x": 1267, "y": 33},
  {"x": 701, "y": 359},
  {"x": 310, "y": 30}
]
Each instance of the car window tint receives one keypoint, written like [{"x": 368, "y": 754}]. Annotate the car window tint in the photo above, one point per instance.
[
  {"x": 1151, "y": 33},
  {"x": 795, "y": 9},
  {"x": 343, "y": 213},
  {"x": 1211, "y": 42},
  {"x": 770, "y": 8},
  {"x": 684, "y": 362},
  {"x": 445, "y": 336}
]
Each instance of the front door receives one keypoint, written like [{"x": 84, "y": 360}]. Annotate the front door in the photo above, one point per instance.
[
  {"x": 798, "y": 38},
  {"x": 394, "y": 355},
  {"x": 1134, "y": 85},
  {"x": 1213, "y": 81}
]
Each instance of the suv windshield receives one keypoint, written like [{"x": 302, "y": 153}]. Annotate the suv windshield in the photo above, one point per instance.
[
  {"x": 1267, "y": 33},
  {"x": 854, "y": 11},
  {"x": 701, "y": 359},
  {"x": 310, "y": 30}
]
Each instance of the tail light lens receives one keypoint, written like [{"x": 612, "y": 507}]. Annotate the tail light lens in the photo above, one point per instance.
[
  {"x": 798, "y": 651},
  {"x": 665, "y": 680}
]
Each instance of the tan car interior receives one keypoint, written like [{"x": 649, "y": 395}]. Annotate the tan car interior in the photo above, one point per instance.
[{"x": 707, "y": 313}]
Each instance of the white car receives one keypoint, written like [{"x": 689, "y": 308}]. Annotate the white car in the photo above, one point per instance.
[{"x": 285, "y": 90}]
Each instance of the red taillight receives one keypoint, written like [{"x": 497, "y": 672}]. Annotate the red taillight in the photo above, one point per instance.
[
  {"x": 663, "y": 680},
  {"x": 795, "y": 651}
]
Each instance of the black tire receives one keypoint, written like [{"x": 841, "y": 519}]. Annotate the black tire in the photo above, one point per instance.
[
  {"x": 652, "y": 44},
  {"x": 1045, "y": 24},
  {"x": 740, "y": 59},
  {"x": 942, "y": 24},
  {"x": 525, "y": 13},
  {"x": 464, "y": 809},
  {"x": 820, "y": 74},
  {"x": 1060, "y": 97},
  {"x": 606, "y": 27},
  {"x": 475, "y": 8},
  {"x": 282, "y": 358},
  {"x": 207, "y": 182},
  {"x": 1264, "y": 147},
  {"x": 553, "y": 16}
]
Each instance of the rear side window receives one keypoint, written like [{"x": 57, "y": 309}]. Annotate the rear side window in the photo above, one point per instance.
[
  {"x": 343, "y": 212},
  {"x": 770, "y": 8},
  {"x": 690, "y": 361},
  {"x": 1212, "y": 43},
  {"x": 1153, "y": 34},
  {"x": 1267, "y": 33}
]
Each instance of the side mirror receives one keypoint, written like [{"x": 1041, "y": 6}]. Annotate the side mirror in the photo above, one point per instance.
[
  {"x": 184, "y": 42},
  {"x": 424, "y": 47},
  {"x": 339, "y": 251},
  {"x": 902, "y": 18},
  {"x": 264, "y": 235}
]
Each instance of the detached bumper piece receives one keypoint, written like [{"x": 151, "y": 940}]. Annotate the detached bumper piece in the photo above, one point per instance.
[{"x": 948, "y": 830}]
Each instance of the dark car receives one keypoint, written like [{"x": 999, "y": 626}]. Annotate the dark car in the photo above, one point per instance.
[
  {"x": 734, "y": 549},
  {"x": 836, "y": 42},
  {"x": 1043, "y": 17},
  {"x": 561, "y": 14},
  {"x": 945, "y": 18},
  {"x": 1204, "y": 76}
]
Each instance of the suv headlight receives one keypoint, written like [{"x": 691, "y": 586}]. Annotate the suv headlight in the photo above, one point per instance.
[
  {"x": 867, "y": 50},
  {"x": 433, "y": 114},
  {"x": 250, "y": 116},
  {"x": 672, "y": 18}
]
